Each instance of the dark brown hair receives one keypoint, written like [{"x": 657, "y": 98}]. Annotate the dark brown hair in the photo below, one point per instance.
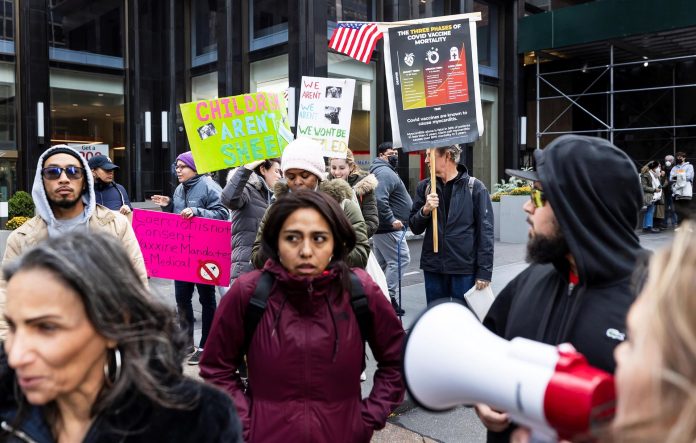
[{"x": 328, "y": 208}]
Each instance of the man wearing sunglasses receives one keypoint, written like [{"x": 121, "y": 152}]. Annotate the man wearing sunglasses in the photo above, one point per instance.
[
  {"x": 582, "y": 251},
  {"x": 63, "y": 194}
]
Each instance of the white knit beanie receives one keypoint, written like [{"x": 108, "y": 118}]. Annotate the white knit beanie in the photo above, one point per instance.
[{"x": 304, "y": 153}]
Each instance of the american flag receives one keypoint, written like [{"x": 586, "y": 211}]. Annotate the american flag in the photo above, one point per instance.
[{"x": 356, "y": 40}]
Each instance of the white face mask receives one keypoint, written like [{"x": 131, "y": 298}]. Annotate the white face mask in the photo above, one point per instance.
[{"x": 668, "y": 164}]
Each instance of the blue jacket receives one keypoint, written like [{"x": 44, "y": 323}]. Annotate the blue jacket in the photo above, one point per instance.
[
  {"x": 393, "y": 200},
  {"x": 202, "y": 195},
  {"x": 465, "y": 234},
  {"x": 112, "y": 195}
]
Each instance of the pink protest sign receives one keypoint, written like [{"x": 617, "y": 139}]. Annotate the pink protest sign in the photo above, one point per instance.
[{"x": 196, "y": 250}]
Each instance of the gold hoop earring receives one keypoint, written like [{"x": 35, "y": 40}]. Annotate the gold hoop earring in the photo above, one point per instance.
[{"x": 110, "y": 380}]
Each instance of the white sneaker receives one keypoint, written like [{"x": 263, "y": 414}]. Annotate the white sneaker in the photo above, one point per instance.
[{"x": 363, "y": 376}]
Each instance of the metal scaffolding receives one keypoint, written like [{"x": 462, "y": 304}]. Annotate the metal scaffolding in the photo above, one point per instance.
[{"x": 607, "y": 127}]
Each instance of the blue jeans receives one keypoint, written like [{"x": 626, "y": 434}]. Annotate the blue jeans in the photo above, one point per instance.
[
  {"x": 648, "y": 217},
  {"x": 447, "y": 285},
  {"x": 389, "y": 249},
  {"x": 183, "y": 292}
]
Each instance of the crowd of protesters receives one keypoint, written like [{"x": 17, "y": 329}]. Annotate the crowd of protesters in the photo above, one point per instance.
[{"x": 89, "y": 355}]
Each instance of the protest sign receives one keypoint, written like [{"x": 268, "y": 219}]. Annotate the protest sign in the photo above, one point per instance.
[
  {"x": 195, "y": 250},
  {"x": 433, "y": 83},
  {"x": 326, "y": 107},
  {"x": 91, "y": 150},
  {"x": 232, "y": 131}
]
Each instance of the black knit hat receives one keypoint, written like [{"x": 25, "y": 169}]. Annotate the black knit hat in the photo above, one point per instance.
[{"x": 61, "y": 149}]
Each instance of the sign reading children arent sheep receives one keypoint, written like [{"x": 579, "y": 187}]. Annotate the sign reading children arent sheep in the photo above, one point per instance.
[
  {"x": 232, "y": 131},
  {"x": 326, "y": 108}
]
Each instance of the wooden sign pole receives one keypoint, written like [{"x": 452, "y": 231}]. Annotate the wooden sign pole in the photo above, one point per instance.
[{"x": 433, "y": 188}]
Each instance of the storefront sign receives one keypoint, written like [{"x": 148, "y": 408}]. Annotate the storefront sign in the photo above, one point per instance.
[
  {"x": 89, "y": 151},
  {"x": 232, "y": 131},
  {"x": 195, "y": 250},
  {"x": 433, "y": 84},
  {"x": 326, "y": 107}
]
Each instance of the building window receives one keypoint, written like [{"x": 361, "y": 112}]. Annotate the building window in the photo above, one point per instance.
[
  {"x": 487, "y": 38},
  {"x": 89, "y": 33},
  {"x": 356, "y": 10},
  {"x": 429, "y": 8},
  {"x": 88, "y": 108},
  {"x": 203, "y": 32},
  {"x": 269, "y": 23},
  {"x": 204, "y": 86}
]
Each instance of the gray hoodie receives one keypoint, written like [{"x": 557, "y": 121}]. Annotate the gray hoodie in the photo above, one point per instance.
[{"x": 43, "y": 208}]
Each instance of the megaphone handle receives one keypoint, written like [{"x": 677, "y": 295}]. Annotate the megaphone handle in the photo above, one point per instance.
[{"x": 538, "y": 437}]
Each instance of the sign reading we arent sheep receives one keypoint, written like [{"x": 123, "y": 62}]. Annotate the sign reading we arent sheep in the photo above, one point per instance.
[
  {"x": 232, "y": 131},
  {"x": 326, "y": 108}
]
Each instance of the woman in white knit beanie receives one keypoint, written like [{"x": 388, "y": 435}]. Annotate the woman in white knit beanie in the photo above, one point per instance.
[{"x": 303, "y": 168}]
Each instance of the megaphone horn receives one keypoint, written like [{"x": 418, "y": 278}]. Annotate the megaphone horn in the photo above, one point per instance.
[{"x": 450, "y": 359}]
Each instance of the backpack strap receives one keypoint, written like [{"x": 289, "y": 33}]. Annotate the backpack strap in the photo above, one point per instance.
[
  {"x": 358, "y": 301},
  {"x": 259, "y": 302},
  {"x": 472, "y": 180},
  {"x": 257, "y": 306}
]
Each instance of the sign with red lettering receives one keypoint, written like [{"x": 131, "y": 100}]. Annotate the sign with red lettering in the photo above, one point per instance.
[
  {"x": 232, "y": 131},
  {"x": 326, "y": 108},
  {"x": 196, "y": 250}
]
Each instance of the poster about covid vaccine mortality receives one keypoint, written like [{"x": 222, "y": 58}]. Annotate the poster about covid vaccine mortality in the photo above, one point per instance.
[{"x": 433, "y": 85}]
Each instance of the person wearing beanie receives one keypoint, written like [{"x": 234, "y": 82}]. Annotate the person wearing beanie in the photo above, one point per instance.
[
  {"x": 196, "y": 196},
  {"x": 63, "y": 194},
  {"x": 304, "y": 168}
]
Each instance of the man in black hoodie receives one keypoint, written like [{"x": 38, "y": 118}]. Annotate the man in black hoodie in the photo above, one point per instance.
[{"x": 582, "y": 248}]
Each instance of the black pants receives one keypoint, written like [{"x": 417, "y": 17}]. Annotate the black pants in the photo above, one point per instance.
[{"x": 183, "y": 291}]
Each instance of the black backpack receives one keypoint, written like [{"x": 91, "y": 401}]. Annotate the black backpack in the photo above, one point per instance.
[{"x": 259, "y": 301}]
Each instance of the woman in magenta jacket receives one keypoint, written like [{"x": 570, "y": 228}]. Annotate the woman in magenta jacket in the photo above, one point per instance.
[{"x": 306, "y": 354}]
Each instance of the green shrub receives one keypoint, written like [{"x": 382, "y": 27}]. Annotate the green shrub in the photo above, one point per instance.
[
  {"x": 16, "y": 222},
  {"x": 21, "y": 205}
]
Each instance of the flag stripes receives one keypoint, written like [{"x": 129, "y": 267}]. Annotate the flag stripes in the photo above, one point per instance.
[{"x": 356, "y": 40}]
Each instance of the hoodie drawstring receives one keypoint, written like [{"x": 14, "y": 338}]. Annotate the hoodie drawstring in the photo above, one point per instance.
[{"x": 277, "y": 317}]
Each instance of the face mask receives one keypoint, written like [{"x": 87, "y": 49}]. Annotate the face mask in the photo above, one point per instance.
[
  {"x": 393, "y": 160},
  {"x": 668, "y": 164},
  {"x": 680, "y": 161}
]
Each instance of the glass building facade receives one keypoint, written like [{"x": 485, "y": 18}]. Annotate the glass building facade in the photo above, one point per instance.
[{"x": 113, "y": 73}]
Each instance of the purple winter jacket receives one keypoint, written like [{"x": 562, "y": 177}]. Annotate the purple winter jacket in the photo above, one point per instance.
[{"x": 305, "y": 360}]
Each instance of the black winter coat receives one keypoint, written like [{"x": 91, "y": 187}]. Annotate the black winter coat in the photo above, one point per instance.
[
  {"x": 213, "y": 419},
  {"x": 247, "y": 196},
  {"x": 465, "y": 234},
  {"x": 598, "y": 225}
]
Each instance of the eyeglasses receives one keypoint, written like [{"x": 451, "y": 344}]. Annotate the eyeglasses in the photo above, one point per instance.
[
  {"x": 537, "y": 196},
  {"x": 54, "y": 172}
]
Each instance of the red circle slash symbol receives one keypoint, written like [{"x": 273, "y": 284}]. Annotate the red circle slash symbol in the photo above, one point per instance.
[{"x": 209, "y": 271}]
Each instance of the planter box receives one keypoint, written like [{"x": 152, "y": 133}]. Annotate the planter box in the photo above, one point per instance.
[
  {"x": 496, "y": 219},
  {"x": 513, "y": 220}
]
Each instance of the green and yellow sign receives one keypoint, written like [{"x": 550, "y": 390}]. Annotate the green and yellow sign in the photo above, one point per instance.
[{"x": 232, "y": 131}]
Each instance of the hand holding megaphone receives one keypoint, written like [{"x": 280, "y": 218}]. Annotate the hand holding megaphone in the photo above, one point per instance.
[{"x": 450, "y": 359}]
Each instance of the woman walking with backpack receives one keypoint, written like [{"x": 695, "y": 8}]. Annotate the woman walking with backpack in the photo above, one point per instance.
[{"x": 306, "y": 350}]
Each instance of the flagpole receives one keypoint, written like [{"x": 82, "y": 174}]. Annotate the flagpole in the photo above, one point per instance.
[{"x": 433, "y": 188}]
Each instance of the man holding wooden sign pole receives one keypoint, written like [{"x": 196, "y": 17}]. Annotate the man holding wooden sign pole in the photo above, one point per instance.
[{"x": 464, "y": 226}]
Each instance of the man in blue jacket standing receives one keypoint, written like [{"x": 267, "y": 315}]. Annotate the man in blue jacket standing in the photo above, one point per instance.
[
  {"x": 106, "y": 191},
  {"x": 464, "y": 225}
]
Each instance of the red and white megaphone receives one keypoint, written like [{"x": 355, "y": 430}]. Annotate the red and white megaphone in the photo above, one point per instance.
[{"x": 450, "y": 359}]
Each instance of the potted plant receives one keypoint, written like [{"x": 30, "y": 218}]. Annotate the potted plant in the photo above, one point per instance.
[
  {"x": 20, "y": 208},
  {"x": 510, "y": 220}
]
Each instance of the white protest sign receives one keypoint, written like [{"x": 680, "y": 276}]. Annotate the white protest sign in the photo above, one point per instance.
[
  {"x": 326, "y": 107},
  {"x": 89, "y": 151}
]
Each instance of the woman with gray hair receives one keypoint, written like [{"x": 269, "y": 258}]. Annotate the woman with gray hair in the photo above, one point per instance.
[{"x": 90, "y": 358}]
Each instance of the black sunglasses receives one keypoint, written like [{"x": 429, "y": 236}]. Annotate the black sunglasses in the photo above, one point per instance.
[{"x": 54, "y": 172}]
